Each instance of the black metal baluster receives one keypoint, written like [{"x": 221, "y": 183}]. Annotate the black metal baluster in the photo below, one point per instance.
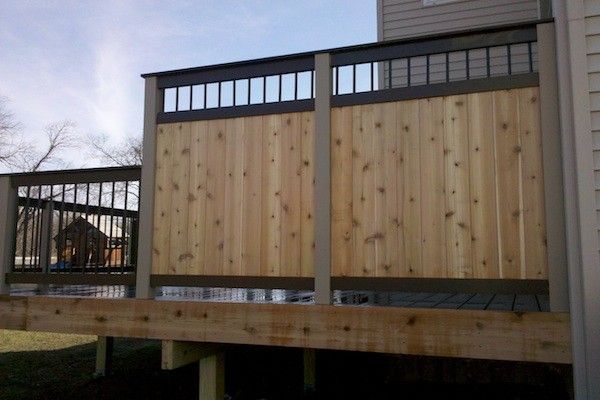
[
  {"x": 59, "y": 244},
  {"x": 389, "y": 74},
  {"x": 98, "y": 227},
  {"x": 508, "y": 56},
  {"x": 353, "y": 78},
  {"x": 447, "y": 67},
  {"x": 191, "y": 97},
  {"x": 87, "y": 202},
  {"x": 408, "y": 71},
  {"x": 110, "y": 244},
  {"x": 295, "y": 86},
  {"x": 73, "y": 222},
  {"x": 264, "y": 89},
  {"x": 177, "y": 98},
  {"x": 427, "y": 69},
  {"x": 530, "y": 54},
  {"x": 249, "y": 91},
  {"x": 467, "y": 64},
  {"x": 233, "y": 100},
  {"x": 123, "y": 227},
  {"x": 312, "y": 84},
  {"x": 488, "y": 62},
  {"x": 25, "y": 228},
  {"x": 205, "y": 96},
  {"x": 279, "y": 95},
  {"x": 219, "y": 95},
  {"x": 372, "y": 77}
]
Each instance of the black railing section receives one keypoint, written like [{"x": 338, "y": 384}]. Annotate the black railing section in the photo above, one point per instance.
[
  {"x": 77, "y": 222},
  {"x": 478, "y": 60}
]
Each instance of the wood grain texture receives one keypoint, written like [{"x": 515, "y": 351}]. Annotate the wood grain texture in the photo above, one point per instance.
[
  {"x": 538, "y": 336},
  {"x": 235, "y": 197},
  {"x": 467, "y": 200},
  {"x": 440, "y": 187}
]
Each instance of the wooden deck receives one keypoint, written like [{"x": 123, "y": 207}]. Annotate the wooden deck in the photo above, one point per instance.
[{"x": 500, "y": 335}]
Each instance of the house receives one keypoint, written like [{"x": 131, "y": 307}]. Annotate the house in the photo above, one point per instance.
[{"x": 443, "y": 178}]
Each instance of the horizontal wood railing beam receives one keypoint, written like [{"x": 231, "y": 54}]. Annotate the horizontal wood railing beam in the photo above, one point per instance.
[{"x": 539, "y": 337}]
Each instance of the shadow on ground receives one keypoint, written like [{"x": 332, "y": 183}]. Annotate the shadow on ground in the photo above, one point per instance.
[{"x": 266, "y": 373}]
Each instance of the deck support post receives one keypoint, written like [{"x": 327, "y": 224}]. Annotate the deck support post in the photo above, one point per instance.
[
  {"x": 211, "y": 385},
  {"x": 310, "y": 364},
  {"x": 104, "y": 352},
  {"x": 323, "y": 178},
  {"x": 552, "y": 167},
  {"x": 8, "y": 211},
  {"x": 152, "y": 106}
]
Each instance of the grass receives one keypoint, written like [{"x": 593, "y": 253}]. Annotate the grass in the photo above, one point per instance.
[{"x": 54, "y": 366}]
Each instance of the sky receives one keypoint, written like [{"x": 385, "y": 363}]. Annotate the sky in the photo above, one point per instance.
[{"x": 82, "y": 60}]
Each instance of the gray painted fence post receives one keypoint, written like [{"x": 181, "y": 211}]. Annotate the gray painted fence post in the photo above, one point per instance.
[
  {"x": 552, "y": 166},
  {"x": 323, "y": 178},
  {"x": 153, "y": 101},
  {"x": 8, "y": 210}
]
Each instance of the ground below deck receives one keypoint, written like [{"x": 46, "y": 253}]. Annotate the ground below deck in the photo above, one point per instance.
[{"x": 58, "y": 367}]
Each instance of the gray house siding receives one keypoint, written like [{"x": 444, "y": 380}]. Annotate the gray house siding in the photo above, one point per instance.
[
  {"x": 592, "y": 32},
  {"x": 407, "y": 18}
]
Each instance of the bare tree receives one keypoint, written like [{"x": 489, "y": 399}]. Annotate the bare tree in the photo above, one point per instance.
[
  {"x": 18, "y": 154},
  {"x": 123, "y": 153}
]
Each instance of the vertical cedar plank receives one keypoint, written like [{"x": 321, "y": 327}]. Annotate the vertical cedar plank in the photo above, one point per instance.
[
  {"x": 433, "y": 212},
  {"x": 368, "y": 198},
  {"x": 359, "y": 163},
  {"x": 458, "y": 218},
  {"x": 215, "y": 197},
  {"x": 508, "y": 152},
  {"x": 484, "y": 227},
  {"x": 232, "y": 218},
  {"x": 407, "y": 120},
  {"x": 162, "y": 199},
  {"x": 341, "y": 191},
  {"x": 179, "y": 256},
  {"x": 291, "y": 151},
  {"x": 197, "y": 194},
  {"x": 387, "y": 248},
  {"x": 271, "y": 196},
  {"x": 534, "y": 220},
  {"x": 251, "y": 202},
  {"x": 307, "y": 193}
]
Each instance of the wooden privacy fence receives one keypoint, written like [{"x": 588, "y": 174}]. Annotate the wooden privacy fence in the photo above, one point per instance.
[
  {"x": 435, "y": 175},
  {"x": 436, "y": 187},
  {"x": 440, "y": 187}
]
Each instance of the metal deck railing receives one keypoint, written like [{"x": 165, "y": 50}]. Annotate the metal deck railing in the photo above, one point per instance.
[{"x": 75, "y": 226}]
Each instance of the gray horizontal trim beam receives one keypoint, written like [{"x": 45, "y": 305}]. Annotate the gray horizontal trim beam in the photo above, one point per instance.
[
  {"x": 421, "y": 47},
  {"x": 89, "y": 175},
  {"x": 237, "y": 111},
  {"x": 437, "y": 89},
  {"x": 249, "y": 282},
  {"x": 71, "y": 279},
  {"x": 442, "y": 285},
  {"x": 258, "y": 68}
]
